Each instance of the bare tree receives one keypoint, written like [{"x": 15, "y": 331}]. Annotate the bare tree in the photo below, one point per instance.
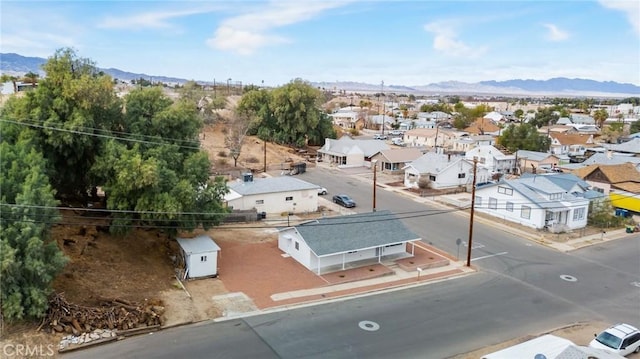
[{"x": 238, "y": 126}]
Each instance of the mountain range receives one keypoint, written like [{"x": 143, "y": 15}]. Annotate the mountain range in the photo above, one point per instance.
[{"x": 15, "y": 64}]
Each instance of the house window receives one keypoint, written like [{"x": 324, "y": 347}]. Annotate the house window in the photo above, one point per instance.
[
  {"x": 478, "y": 201},
  {"x": 525, "y": 212},
  {"x": 509, "y": 206},
  {"x": 432, "y": 178},
  {"x": 493, "y": 203},
  {"x": 578, "y": 214},
  {"x": 461, "y": 175},
  {"x": 203, "y": 258},
  {"x": 259, "y": 201},
  {"x": 505, "y": 190},
  {"x": 554, "y": 196},
  {"x": 289, "y": 198},
  {"x": 297, "y": 245}
]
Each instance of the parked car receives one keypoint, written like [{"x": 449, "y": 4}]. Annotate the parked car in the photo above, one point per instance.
[
  {"x": 344, "y": 200},
  {"x": 396, "y": 133},
  {"x": 378, "y": 136},
  {"x": 322, "y": 191},
  {"x": 622, "y": 339},
  {"x": 398, "y": 142}
]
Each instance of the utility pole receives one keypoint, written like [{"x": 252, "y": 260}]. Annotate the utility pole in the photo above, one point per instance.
[
  {"x": 384, "y": 110},
  {"x": 265, "y": 156},
  {"x": 375, "y": 171},
  {"x": 473, "y": 205}
]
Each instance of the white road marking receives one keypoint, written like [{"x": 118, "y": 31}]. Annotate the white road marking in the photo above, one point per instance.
[{"x": 489, "y": 256}]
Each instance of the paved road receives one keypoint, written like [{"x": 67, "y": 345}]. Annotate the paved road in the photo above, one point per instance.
[{"x": 520, "y": 290}]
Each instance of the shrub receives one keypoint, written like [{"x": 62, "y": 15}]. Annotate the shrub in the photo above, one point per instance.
[
  {"x": 222, "y": 154},
  {"x": 424, "y": 183},
  {"x": 253, "y": 159}
]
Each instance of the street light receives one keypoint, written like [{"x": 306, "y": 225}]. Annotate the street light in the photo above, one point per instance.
[{"x": 375, "y": 171}]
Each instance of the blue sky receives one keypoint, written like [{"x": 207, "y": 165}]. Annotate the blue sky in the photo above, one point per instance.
[{"x": 399, "y": 42}]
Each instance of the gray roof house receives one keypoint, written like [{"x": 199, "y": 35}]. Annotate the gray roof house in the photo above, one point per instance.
[
  {"x": 538, "y": 201},
  {"x": 347, "y": 152},
  {"x": 395, "y": 159},
  {"x": 632, "y": 146},
  {"x": 335, "y": 242},
  {"x": 273, "y": 195},
  {"x": 442, "y": 171}
]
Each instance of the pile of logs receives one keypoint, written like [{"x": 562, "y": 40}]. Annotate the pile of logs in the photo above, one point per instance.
[{"x": 113, "y": 314}]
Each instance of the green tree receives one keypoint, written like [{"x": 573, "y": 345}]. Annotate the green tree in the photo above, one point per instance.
[
  {"x": 635, "y": 127},
  {"x": 31, "y": 77},
  {"x": 518, "y": 113},
  {"x": 289, "y": 114},
  {"x": 600, "y": 116},
  {"x": 28, "y": 260},
  {"x": 524, "y": 137},
  {"x": 72, "y": 107},
  {"x": 160, "y": 177}
]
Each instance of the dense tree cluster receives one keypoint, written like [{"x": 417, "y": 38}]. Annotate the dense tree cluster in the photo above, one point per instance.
[
  {"x": 524, "y": 137},
  {"x": 73, "y": 134},
  {"x": 289, "y": 114}
]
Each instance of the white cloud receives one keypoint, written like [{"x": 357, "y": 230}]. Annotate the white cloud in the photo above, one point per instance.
[
  {"x": 249, "y": 31},
  {"x": 446, "y": 40},
  {"x": 150, "y": 20},
  {"x": 630, "y": 8},
  {"x": 555, "y": 34}
]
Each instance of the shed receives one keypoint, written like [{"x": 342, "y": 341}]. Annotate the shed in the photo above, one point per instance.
[{"x": 200, "y": 255}]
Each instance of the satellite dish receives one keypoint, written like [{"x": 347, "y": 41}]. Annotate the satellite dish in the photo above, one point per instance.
[{"x": 540, "y": 356}]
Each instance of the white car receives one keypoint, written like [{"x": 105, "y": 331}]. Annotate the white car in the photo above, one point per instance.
[
  {"x": 322, "y": 191},
  {"x": 622, "y": 339}
]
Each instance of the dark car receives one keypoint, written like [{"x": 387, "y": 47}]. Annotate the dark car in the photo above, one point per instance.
[{"x": 344, "y": 200}]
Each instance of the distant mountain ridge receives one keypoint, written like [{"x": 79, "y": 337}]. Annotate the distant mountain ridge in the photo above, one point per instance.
[{"x": 560, "y": 86}]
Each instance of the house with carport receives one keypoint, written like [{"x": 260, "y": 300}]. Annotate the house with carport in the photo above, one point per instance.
[
  {"x": 442, "y": 171},
  {"x": 534, "y": 201},
  {"x": 430, "y": 137},
  {"x": 570, "y": 144},
  {"x": 338, "y": 243},
  {"x": 394, "y": 160},
  {"x": 272, "y": 195},
  {"x": 347, "y": 152}
]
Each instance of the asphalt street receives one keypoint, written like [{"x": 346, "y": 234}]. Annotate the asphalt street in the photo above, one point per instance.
[{"x": 522, "y": 288}]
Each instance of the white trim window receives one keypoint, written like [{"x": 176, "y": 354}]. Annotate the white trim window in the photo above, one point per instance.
[
  {"x": 493, "y": 203},
  {"x": 578, "y": 214},
  {"x": 509, "y": 207},
  {"x": 478, "y": 201},
  {"x": 525, "y": 212}
]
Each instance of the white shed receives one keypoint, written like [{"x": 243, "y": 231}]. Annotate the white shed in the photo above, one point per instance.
[{"x": 200, "y": 256}]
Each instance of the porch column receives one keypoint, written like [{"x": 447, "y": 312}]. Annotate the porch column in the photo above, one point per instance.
[
  {"x": 343, "y": 259},
  {"x": 413, "y": 248}
]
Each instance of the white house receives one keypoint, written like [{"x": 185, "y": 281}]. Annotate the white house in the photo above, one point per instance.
[
  {"x": 273, "y": 195},
  {"x": 430, "y": 137},
  {"x": 466, "y": 143},
  {"x": 534, "y": 201},
  {"x": 492, "y": 159},
  {"x": 347, "y": 152},
  {"x": 334, "y": 242},
  {"x": 442, "y": 171},
  {"x": 200, "y": 256}
]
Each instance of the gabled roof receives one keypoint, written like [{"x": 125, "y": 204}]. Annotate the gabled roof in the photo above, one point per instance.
[
  {"x": 334, "y": 235},
  {"x": 401, "y": 155},
  {"x": 199, "y": 244},
  {"x": 604, "y": 159},
  {"x": 536, "y": 189},
  {"x": 429, "y": 132},
  {"x": 565, "y": 181},
  {"x": 625, "y": 172},
  {"x": 533, "y": 155},
  {"x": 270, "y": 185},
  {"x": 485, "y": 150},
  {"x": 632, "y": 146},
  {"x": 482, "y": 125},
  {"x": 433, "y": 163},
  {"x": 572, "y": 138},
  {"x": 347, "y": 145}
]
